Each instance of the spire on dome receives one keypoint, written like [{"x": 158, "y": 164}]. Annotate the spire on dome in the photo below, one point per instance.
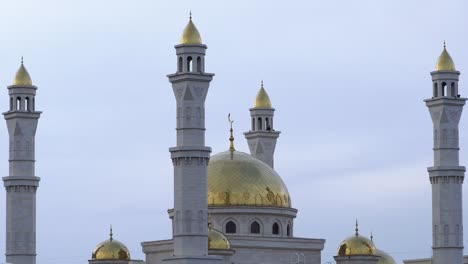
[{"x": 231, "y": 137}]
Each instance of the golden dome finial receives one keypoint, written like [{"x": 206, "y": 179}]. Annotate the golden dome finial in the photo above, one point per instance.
[
  {"x": 190, "y": 34},
  {"x": 445, "y": 61},
  {"x": 111, "y": 234},
  {"x": 231, "y": 137},
  {"x": 22, "y": 76},
  {"x": 371, "y": 237},
  {"x": 357, "y": 229},
  {"x": 262, "y": 100}
]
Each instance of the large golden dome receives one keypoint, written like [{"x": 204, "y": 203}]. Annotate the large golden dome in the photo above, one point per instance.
[
  {"x": 384, "y": 257},
  {"x": 111, "y": 249},
  {"x": 238, "y": 179},
  {"x": 262, "y": 100},
  {"x": 217, "y": 240},
  {"x": 22, "y": 76},
  {"x": 190, "y": 34},
  {"x": 445, "y": 62}
]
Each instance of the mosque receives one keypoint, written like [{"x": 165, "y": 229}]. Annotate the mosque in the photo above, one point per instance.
[{"x": 233, "y": 207}]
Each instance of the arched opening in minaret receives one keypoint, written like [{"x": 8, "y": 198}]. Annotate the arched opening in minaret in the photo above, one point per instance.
[
  {"x": 453, "y": 90},
  {"x": 179, "y": 65},
  {"x": 267, "y": 124},
  {"x": 231, "y": 227},
  {"x": 11, "y": 103},
  {"x": 275, "y": 229},
  {"x": 253, "y": 124},
  {"x": 444, "y": 88},
  {"x": 189, "y": 63},
  {"x": 288, "y": 230},
  {"x": 255, "y": 228},
  {"x": 199, "y": 67},
  {"x": 26, "y": 104},
  {"x": 259, "y": 124},
  {"x": 435, "y": 90},
  {"x": 18, "y": 103}
]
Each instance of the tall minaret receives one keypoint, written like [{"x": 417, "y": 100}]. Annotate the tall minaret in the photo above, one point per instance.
[
  {"x": 190, "y": 157},
  {"x": 262, "y": 136},
  {"x": 21, "y": 184},
  {"x": 446, "y": 176}
]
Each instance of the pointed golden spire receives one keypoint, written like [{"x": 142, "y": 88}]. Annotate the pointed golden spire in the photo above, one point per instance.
[
  {"x": 445, "y": 61},
  {"x": 371, "y": 237},
  {"x": 357, "y": 229},
  {"x": 22, "y": 76},
  {"x": 111, "y": 234},
  {"x": 231, "y": 137},
  {"x": 262, "y": 100},
  {"x": 191, "y": 34}
]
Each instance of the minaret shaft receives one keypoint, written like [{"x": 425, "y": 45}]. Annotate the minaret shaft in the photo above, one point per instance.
[
  {"x": 446, "y": 176},
  {"x": 21, "y": 184}
]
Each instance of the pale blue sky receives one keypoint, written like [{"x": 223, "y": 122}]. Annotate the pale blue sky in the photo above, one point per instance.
[{"x": 347, "y": 79}]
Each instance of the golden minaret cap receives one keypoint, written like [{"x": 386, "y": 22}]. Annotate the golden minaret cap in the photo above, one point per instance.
[
  {"x": 111, "y": 234},
  {"x": 231, "y": 137},
  {"x": 262, "y": 100},
  {"x": 445, "y": 61},
  {"x": 22, "y": 76},
  {"x": 190, "y": 34}
]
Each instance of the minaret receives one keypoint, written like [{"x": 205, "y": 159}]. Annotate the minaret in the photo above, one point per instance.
[
  {"x": 446, "y": 176},
  {"x": 262, "y": 136},
  {"x": 21, "y": 184},
  {"x": 190, "y": 157}
]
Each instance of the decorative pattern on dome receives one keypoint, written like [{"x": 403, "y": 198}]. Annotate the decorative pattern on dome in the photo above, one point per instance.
[{"x": 238, "y": 179}]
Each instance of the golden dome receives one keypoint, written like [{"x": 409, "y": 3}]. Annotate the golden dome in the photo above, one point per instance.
[
  {"x": 262, "y": 100},
  {"x": 217, "y": 240},
  {"x": 384, "y": 257},
  {"x": 445, "y": 62},
  {"x": 356, "y": 245},
  {"x": 238, "y": 179},
  {"x": 111, "y": 249},
  {"x": 22, "y": 76},
  {"x": 191, "y": 34}
]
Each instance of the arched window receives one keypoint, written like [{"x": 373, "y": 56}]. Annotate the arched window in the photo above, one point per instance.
[
  {"x": 267, "y": 124},
  {"x": 199, "y": 68},
  {"x": 18, "y": 103},
  {"x": 26, "y": 104},
  {"x": 444, "y": 87},
  {"x": 189, "y": 63},
  {"x": 275, "y": 229},
  {"x": 11, "y": 103},
  {"x": 179, "y": 65},
  {"x": 452, "y": 90},
  {"x": 255, "y": 228},
  {"x": 288, "y": 230},
  {"x": 435, "y": 90},
  {"x": 231, "y": 227},
  {"x": 259, "y": 124},
  {"x": 253, "y": 124}
]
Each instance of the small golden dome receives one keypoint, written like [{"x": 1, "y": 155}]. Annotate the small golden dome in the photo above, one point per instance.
[
  {"x": 191, "y": 34},
  {"x": 384, "y": 257},
  {"x": 262, "y": 100},
  {"x": 111, "y": 249},
  {"x": 445, "y": 62},
  {"x": 238, "y": 179},
  {"x": 356, "y": 245},
  {"x": 217, "y": 240},
  {"x": 22, "y": 76}
]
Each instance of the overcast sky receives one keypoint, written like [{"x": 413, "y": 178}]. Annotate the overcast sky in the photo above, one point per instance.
[{"x": 347, "y": 79}]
